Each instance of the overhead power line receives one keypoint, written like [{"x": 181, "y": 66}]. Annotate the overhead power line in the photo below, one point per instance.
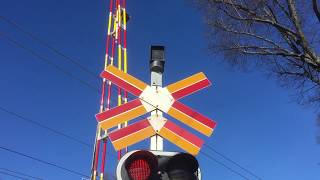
[
  {"x": 44, "y": 162},
  {"x": 48, "y": 61},
  {"x": 12, "y": 175},
  {"x": 20, "y": 173},
  {"x": 224, "y": 165},
  {"x": 233, "y": 162},
  {"x": 47, "y": 45},
  {"x": 57, "y": 132}
]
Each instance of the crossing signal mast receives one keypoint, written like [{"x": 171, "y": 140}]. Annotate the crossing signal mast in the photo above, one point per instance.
[{"x": 113, "y": 122}]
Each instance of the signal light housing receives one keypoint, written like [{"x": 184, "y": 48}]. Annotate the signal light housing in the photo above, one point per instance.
[
  {"x": 158, "y": 165},
  {"x": 182, "y": 166},
  {"x": 157, "y": 59}
]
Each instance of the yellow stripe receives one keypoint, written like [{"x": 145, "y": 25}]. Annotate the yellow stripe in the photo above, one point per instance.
[
  {"x": 126, "y": 77},
  {"x": 101, "y": 176},
  {"x": 125, "y": 101},
  {"x": 119, "y": 57},
  {"x": 133, "y": 138},
  {"x": 179, "y": 141},
  {"x": 124, "y": 18},
  {"x": 99, "y": 131},
  {"x": 109, "y": 27},
  {"x": 116, "y": 23},
  {"x": 114, "y": 31},
  {"x": 106, "y": 61},
  {"x": 119, "y": 42},
  {"x": 119, "y": 18},
  {"x": 119, "y": 100},
  {"x": 109, "y": 22},
  {"x": 125, "y": 62},
  {"x": 186, "y": 82},
  {"x": 190, "y": 121},
  {"x": 126, "y": 116}
]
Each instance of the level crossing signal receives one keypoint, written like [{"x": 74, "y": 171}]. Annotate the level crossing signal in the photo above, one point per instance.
[
  {"x": 165, "y": 99},
  {"x": 158, "y": 165}
]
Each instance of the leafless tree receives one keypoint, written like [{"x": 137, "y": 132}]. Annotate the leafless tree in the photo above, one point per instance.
[{"x": 279, "y": 37}]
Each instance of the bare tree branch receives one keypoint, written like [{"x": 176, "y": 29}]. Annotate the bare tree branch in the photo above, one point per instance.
[
  {"x": 268, "y": 33},
  {"x": 303, "y": 40},
  {"x": 315, "y": 9}
]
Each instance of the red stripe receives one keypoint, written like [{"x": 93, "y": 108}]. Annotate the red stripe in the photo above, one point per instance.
[
  {"x": 104, "y": 153},
  {"x": 184, "y": 134},
  {"x": 121, "y": 83},
  {"x": 191, "y": 89},
  {"x": 115, "y": 135},
  {"x": 195, "y": 115},
  {"x": 118, "y": 110},
  {"x": 96, "y": 155}
]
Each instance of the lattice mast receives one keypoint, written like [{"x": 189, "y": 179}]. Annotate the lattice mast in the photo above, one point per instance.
[{"x": 116, "y": 54}]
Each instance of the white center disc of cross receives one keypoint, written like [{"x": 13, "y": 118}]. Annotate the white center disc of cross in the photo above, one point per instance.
[{"x": 156, "y": 98}]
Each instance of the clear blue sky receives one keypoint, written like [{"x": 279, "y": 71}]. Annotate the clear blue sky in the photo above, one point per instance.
[{"x": 258, "y": 124}]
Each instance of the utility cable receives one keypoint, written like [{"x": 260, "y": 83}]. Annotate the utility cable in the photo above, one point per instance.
[
  {"x": 57, "y": 132},
  {"x": 233, "y": 162},
  {"x": 48, "y": 61},
  {"x": 20, "y": 173},
  {"x": 18, "y": 177},
  {"x": 224, "y": 165},
  {"x": 47, "y": 45},
  {"x": 44, "y": 162}
]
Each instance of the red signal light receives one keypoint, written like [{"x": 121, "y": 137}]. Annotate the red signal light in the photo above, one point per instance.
[
  {"x": 139, "y": 169},
  {"x": 141, "y": 165}
]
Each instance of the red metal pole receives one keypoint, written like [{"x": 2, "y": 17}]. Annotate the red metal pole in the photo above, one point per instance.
[
  {"x": 125, "y": 67},
  {"x": 97, "y": 149},
  {"x": 104, "y": 154}
]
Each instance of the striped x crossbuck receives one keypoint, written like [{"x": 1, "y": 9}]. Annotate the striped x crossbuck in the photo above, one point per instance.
[{"x": 149, "y": 99}]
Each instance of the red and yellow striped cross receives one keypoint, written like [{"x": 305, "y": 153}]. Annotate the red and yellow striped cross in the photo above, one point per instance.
[{"x": 150, "y": 99}]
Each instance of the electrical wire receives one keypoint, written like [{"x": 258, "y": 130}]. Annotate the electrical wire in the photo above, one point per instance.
[
  {"x": 8, "y": 174},
  {"x": 55, "y": 50},
  {"x": 20, "y": 173},
  {"x": 233, "y": 162},
  {"x": 224, "y": 165},
  {"x": 44, "y": 162},
  {"x": 57, "y": 132},
  {"x": 48, "y": 61},
  {"x": 47, "y": 45}
]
